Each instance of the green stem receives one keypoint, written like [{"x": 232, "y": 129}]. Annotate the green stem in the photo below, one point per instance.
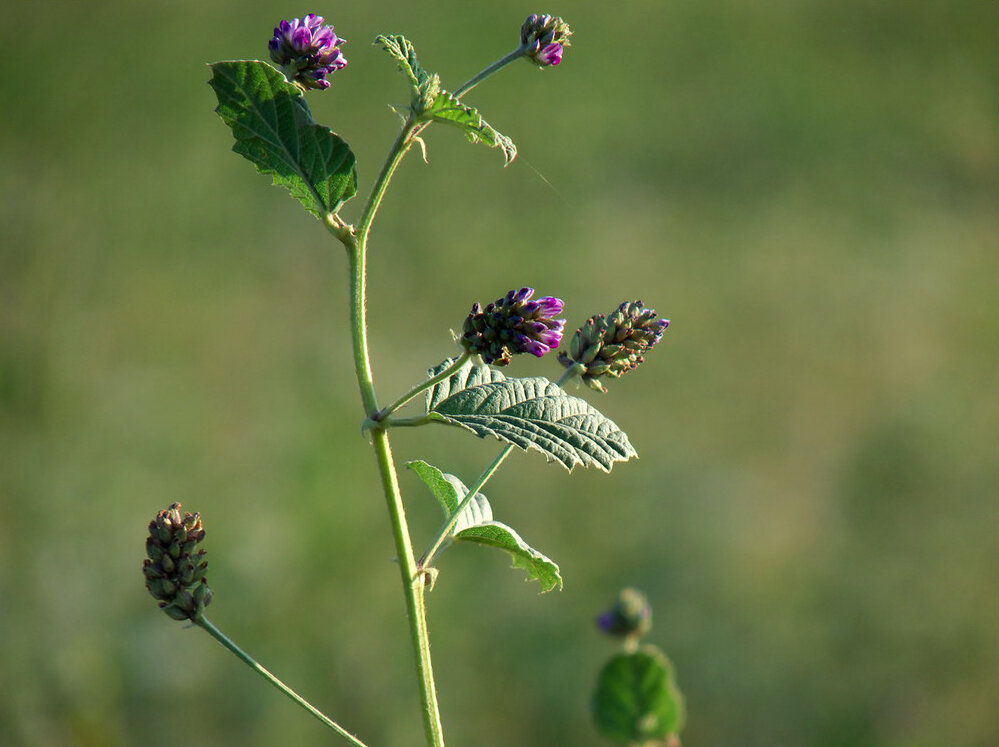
[
  {"x": 428, "y": 555},
  {"x": 219, "y": 636},
  {"x": 483, "y": 74},
  {"x": 446, "y": 373},
  {"x": 412, "y": 579}
]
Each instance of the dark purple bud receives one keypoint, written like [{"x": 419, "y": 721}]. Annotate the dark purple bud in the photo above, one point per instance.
[
  {"x": 629, "y": 617},
  {"x": 511, "y": 325},
  {"x": 307, "y": 51}
]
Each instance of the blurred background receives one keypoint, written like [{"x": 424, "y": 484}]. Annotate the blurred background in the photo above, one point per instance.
[{"x": 807, "y": 190}]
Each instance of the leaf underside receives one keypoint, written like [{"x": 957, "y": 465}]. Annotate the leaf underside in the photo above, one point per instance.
[
  {"x": 274, "y": 130},
  {"x": 476, "y": 525},
  {"x": 532, "y": 413}
]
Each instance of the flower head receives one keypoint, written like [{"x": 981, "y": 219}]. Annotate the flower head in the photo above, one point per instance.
[
  {"x": 614, "y": 344},
  {"x": 629, "y": 617},
  {"x": 175, "y": 570},
  {"x": 307, "y": 51},
  {"x": 513, "y": 324},
  {"x": 544, "y": 38}
]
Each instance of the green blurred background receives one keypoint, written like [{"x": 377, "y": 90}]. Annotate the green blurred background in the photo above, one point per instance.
[{"x": 806, "y": 189}]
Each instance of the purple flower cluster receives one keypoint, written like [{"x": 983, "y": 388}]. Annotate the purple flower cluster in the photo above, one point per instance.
[
  {"x": 513, "y": 324},
  {"x": 544, "y": 38},
  {"x": 307, "y": 51}
]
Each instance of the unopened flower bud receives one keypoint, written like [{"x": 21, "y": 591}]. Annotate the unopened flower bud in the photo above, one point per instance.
[
  {"x": 544, "y": 38},
  {"x": 307, "y": 51},
  {"x": 511, "y": 325},
  {"x": 614, "y": 344},
  {"x": 629, "y": 617},
  {"x": 175, "y": 569}
]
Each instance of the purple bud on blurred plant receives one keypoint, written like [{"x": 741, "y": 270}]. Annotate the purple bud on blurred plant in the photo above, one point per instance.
[
  {"x": 629, "y": 617},
  {"x": 175, "y": 568},
  {"x": 544, "y": 38},
  {"x": 614, "y": 344},
  {"x": 307, "y": 51},
  {"x": 513, "y": 324}
]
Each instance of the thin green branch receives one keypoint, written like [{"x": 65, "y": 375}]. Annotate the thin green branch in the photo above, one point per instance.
[
  {"x": 442, "y": 534},
  {"x": 486, "y": 72},
  {"x": 445, "y": 374},
  {"x": 222, "y": 638}
]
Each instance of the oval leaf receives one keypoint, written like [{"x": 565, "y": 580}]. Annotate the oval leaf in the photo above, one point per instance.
[
  {"x": 274, "y": 129},
  {"x": 532, "y": 413},
  {"x": 636, "y": 698}
]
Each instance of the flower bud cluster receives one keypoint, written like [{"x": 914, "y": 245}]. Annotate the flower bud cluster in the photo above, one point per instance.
[
  {"x": 511, "y": 325},
  {"x": 629, "y": 617},
  {"x": 175, "y": 569},
  {"x": 614, "y": 344},
  {"x": 307, "y": 51},
  {"x": 543, "y": 38}
]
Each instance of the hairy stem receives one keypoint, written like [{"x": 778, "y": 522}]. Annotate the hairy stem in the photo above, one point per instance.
[
  {"x": 412, "y": 580},
  {"x": 222, "y": 638}
]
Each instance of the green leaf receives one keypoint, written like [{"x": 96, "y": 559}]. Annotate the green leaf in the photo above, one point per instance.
[
  {"x": 530, "y": 413},
  {"x": 637, "y": 699},
  {"x": 433, "y": 103},
  {"x": 449, "y": 110},
  {"x": 274, "y": 129},
  {"x": 476, "y": 524}
]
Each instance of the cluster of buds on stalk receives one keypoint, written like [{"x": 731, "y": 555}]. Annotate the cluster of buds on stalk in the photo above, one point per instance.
[
  {"x": 614, "y": 344},
  {"x": 175, "y": 569},
  {"x": 543, "y": 38},
  {"x": 307, "y": 51},
  {"x": 511, "y": 325},
  {"x": 629, "y": 617}
]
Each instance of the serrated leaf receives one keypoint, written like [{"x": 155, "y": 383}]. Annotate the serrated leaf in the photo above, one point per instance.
[
  {"x": 637, "y": 699},
  {"x": 476, "y": 524},
  {"x": 449, "y": 110},
  {"x": 532, "y": 413},
  {"x": 274, "y": 129}
]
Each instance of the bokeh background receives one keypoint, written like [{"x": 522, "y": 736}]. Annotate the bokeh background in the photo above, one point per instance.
[{"x": 807, "y": 189}]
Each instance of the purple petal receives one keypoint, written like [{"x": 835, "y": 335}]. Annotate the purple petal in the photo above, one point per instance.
[
  {"x": 551, "y": 55},
  {"x": 552, "y": 305}
]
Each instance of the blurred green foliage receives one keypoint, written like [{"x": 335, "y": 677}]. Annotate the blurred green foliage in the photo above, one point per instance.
[{"x": 806, "y": 189}]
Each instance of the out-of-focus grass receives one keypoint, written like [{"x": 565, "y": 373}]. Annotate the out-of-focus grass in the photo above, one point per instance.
[{"x": 806, "y": 190}]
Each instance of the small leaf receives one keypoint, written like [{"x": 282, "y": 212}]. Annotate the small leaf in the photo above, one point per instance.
[
  {"x": 431, "y": 102},
  {"x": 449, "y": 110},
  {"x": 637, "y": 699},
  {"x": 530, "y": 413},
  {"x": 274, "y": 129},
  {"x": 475, "y": 524}
]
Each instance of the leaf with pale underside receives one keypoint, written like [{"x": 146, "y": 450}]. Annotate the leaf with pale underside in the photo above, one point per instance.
[
  {"x": 476, "y": 524},
  {"x": 534, "y": 414}
]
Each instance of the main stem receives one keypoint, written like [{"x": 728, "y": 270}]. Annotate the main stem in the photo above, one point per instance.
[{"x": 412, "y": 579}]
